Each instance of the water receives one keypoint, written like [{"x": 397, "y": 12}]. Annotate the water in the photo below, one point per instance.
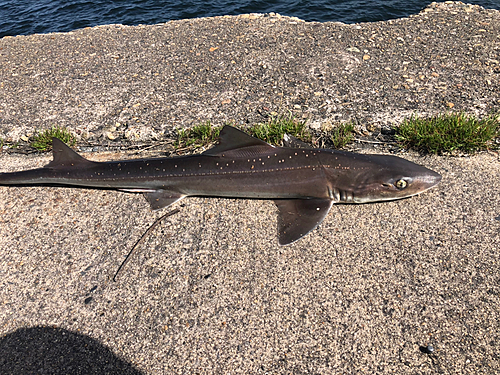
[{"x": 44, "y": 16}]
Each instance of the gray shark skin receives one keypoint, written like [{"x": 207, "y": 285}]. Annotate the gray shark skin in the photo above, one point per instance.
[{"x": 303, "y": 182}]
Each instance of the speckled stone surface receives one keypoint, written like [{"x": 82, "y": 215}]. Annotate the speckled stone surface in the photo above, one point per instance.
[
  {"x": 210, "y": 291},
  {"x": 140, "y": 82}
]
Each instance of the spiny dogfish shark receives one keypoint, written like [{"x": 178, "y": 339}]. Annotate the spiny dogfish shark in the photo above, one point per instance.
[{"x": 304, "y": 182}]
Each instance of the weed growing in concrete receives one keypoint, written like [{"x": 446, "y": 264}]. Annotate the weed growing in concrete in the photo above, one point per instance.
[
  {"x": 342, "y": 134},
  {"x": 273, "y": 130},
  {"x": 447, "y": 133},
  {"x": 197, "y": 136},
  {"x": 43, "y": 140}
]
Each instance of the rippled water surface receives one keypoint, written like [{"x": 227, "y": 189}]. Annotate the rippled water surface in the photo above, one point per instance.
[{"x": 43, "y": 16}]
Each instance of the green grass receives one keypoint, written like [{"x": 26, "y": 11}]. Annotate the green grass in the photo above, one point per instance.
[
  {"x": 444, "y": 133},
  {"x": 448, "y": 133},
  {"x": 43, "y": 140},
  {"x": 342, "y": 134},
  {"x": 197, "y": 136},
  {"x": 12, "y": 146},
  {"x": 273, "y": 130}
]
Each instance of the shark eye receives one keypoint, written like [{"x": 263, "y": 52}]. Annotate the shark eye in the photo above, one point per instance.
[{"x": 401, "y": 184}]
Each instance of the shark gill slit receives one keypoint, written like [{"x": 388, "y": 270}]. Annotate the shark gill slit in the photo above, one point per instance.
[{"x": 338, "y": 195}]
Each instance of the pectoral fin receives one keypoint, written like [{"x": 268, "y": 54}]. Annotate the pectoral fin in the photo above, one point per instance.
[
  {"x": 297, "y": 217},
  {"x": 162, "y": 198}
]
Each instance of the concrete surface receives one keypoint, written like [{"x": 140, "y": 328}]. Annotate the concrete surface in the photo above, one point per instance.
[{"x": 210, "y": 291}]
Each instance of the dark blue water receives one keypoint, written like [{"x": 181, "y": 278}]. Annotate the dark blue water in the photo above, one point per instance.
[{"x": 44, "y": 16}]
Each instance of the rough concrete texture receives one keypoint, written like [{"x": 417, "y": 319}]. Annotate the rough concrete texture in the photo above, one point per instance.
[
  {"x": 211, "y": 291},
  {"x": 140, "y": 82}
]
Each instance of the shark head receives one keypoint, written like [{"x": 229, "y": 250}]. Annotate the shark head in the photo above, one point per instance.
[
  {"x": 355, "y": 178},
  {"x": 390, "y": 178}
]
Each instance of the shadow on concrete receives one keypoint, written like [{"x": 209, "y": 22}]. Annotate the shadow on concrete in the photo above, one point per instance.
[{"x": 45, "y": 350}]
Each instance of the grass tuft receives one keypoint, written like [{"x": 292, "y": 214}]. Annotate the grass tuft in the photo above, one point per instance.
[
  {"x": 43, "y": 140},
  {"x": 273, "y": 130},
  {"x": 342, "y": 135},
  {"x": 448, "y": 133},
  {"x": 197, "y": 136}
]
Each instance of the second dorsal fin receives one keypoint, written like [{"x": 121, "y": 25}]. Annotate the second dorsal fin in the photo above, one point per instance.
[
  {"x": 65, "y": 156},
  {"x": 232, "y": 139}
]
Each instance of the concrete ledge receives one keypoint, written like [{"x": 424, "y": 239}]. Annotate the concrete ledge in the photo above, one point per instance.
[{"x": 137, "y": 83}]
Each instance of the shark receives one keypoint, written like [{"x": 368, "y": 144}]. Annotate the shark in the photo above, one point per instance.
[{"x": 304, "y": 182}]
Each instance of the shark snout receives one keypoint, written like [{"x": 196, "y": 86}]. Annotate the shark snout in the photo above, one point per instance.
[{"x": 430, "y": 179}]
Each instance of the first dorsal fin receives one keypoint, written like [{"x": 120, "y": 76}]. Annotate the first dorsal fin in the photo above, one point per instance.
[
  {"x": 65, "y": 156},
  {"x": 232, "y": 139}
]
